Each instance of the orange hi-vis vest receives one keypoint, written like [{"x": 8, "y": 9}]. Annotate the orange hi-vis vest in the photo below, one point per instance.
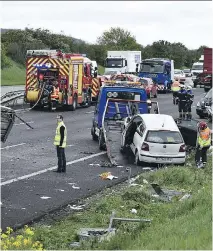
[
  {"x": 175, "y": 86},
  {"x": 204, "y": 138},
  {"x": 55, "y": 92}
]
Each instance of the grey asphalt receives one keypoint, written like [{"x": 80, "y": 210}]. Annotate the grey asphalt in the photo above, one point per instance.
[{"x": 27, "y": 151}]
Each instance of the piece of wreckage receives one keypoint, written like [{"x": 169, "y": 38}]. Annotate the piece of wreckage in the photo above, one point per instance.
[{"x": 8, "y": 116}]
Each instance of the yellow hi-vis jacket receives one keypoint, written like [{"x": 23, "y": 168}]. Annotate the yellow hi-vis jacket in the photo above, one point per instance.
[
  {"x": 204, "y": 138},
  {"x": 58, "y": 135},
  {"x": 175, "y": 86}
]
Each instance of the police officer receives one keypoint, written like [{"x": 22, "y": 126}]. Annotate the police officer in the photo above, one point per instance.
[
  {"x": 189, "y": 101},
  {"x": 60, "y": 142},
  {"x": 181, "y": 100},
  {"x": 203, "y": 144},
  {"x": 175, "y": 87}
]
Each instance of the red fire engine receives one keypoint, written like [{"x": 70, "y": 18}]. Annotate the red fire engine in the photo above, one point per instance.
[{"x": 56, "y": 79}]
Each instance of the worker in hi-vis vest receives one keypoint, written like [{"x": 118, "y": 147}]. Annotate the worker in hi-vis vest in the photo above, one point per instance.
[
  {"x": 60, "y": 142},
  {"x": 175, "y": 88},
  {"x": 203, "y": 144}
]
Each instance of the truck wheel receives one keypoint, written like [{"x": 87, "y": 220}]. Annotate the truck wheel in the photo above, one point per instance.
[
  {"x": 75, "y": 103},
  {"x": 101, "y": 142},
  {"x": 94, "y": 136}
]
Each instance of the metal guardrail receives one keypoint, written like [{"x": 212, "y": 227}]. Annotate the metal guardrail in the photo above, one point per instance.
[{"x": 11, "y": 97}]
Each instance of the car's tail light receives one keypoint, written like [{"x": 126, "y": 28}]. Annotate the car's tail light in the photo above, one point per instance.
[
  {"x": 182, "y": 148},
  {"x": 145, "y": 147}
]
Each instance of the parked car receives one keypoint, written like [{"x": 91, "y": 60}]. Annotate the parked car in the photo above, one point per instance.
[
  {"x": 180, "y": 74},
  {"x": 154, "y": 138},
  {"x": 150, "y": 87},
  {"x": 202, "y": 105},
  {"x": 187, "y": 72}
]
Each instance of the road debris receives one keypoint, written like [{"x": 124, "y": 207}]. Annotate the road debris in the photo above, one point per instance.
[
  {"x": 185, "y": 197},
  {"x": 45, "y": 197},
  {"x": 107, "y": 176},
  {"x": 75, "y": 187},
  {"x": 133, "y": 211},
  {"x": 74, "y": 207},
  {"x": 145, "y": 181},
  {"x": 61, "y": 190},
  {"x": 94, "y": 164},
  {"x": 75, "y": 244}
]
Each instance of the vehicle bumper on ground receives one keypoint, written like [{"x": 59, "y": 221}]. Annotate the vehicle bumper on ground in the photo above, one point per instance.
[{"x": 162, "y": 159}]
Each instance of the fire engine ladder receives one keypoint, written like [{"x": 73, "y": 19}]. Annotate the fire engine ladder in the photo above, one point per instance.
[
  {"x": 12, "y": 98},
  {"x": 113, "y": 130}
]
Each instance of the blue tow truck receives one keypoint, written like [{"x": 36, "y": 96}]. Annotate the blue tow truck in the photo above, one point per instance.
[
  {"x": 117, "y": 102},
  {"x": 160, "y": 70}
]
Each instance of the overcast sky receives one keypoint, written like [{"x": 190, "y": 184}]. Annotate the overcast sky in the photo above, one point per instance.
[{"x": 178, "y": 21}]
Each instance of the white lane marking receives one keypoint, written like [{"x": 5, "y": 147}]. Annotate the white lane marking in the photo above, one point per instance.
[
  {"x": 89, "y": 112},
  {"x": 30, "y": 122},
  {"x": 49, "y": 169},
  {"x": 6, "y": 147}
]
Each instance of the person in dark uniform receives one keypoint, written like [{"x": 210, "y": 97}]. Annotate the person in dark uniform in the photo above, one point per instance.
[
  {"x": 60, "y": 142},
  {"x": 181, "y": 99},
  {"x": 189, "y": 102}
]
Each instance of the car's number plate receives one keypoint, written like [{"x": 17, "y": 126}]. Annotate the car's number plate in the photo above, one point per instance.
[{"x": 164, "y": 159}]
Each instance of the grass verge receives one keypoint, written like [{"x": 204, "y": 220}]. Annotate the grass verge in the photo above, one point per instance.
[
  {"x": 14, "y": 75},
  {"x": 176, "y": 225}
]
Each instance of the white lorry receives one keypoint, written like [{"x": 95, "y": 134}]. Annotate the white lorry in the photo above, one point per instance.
[
  {"x": 197, "y": 67},
  {"x": 121, "y": 62}
]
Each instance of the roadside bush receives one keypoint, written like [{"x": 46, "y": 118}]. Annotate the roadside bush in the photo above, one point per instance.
[{"x": 24, "y": 241}]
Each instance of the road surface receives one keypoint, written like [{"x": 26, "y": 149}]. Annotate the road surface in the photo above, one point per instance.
[{"x": 29, "y": 186}]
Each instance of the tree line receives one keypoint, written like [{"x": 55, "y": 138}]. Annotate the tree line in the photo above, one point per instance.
[{"x": 15, "y": 43}]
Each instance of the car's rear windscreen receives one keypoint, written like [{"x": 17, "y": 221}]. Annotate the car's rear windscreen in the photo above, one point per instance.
[{"x": 164, "y": 137}]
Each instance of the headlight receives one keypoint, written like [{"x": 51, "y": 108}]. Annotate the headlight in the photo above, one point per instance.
[
  {"x": 109, "y": 94},
  {"x": 114, "y": 94}
]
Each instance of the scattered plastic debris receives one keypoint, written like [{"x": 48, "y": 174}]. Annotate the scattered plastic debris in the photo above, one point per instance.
[
  {"x": 155, "y": 195},
  {"x": 133, "y": 211},
  {"x": 94, "y": 164},
  {"x": 186, "y": 196},
  {"x": 147, "y": 168},
  {"x": 71, "y": 183},
  {"x": 61, "y": 190},
  {"x": 45, "y": 197},
  {"x": 74, "y": 207},
  {"x": 107, "y": 176},
  {"x": 120, "y": 166},
  {"x": 75, "y": 187},
  {"x": 23, "y": 208},
  {"x": 75, "y": 244},
  {"x": 145, "y": 181}
]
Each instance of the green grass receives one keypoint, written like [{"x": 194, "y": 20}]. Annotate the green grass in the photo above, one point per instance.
[
  {"x": 14, "y": 75},
  {"x": 176, "y": 225}
]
